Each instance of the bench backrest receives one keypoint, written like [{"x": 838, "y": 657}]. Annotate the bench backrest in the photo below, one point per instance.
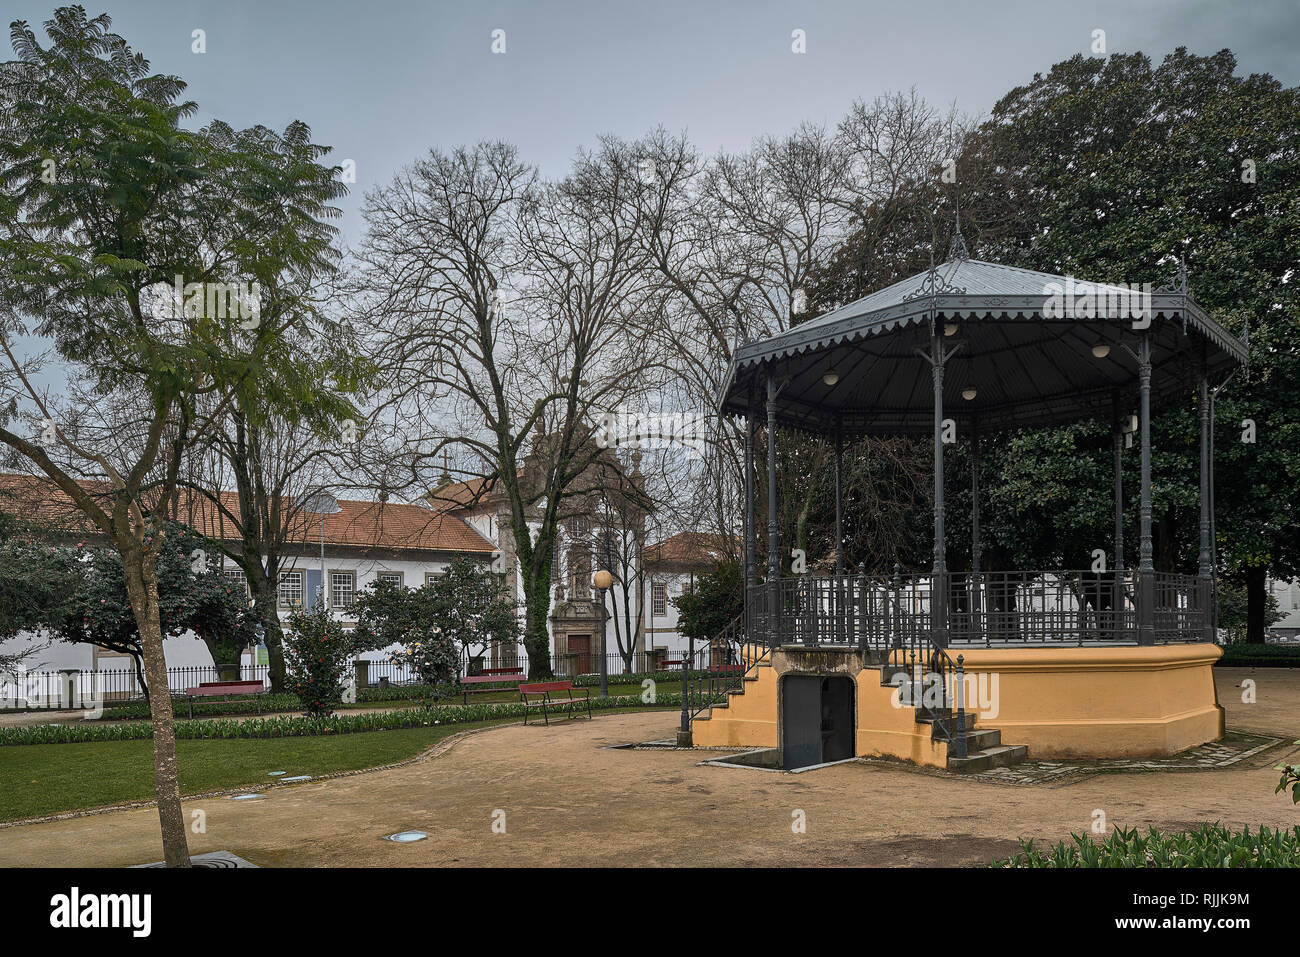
[
  {"x": 226, "y": 687},
  {"x": 491, "y": 679},
  {"x": 546, "y": 687}
]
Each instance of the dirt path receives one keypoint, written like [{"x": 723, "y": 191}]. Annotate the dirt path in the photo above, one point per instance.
[{"x": 569, "y": 800}]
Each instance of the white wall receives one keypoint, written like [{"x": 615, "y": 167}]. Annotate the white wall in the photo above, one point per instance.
[{"x": 661, "y": 630}]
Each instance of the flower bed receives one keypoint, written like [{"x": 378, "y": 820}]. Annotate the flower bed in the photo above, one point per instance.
[
  {"x": 297, "y": 725},
  {"x": 1207, "y": 845}
]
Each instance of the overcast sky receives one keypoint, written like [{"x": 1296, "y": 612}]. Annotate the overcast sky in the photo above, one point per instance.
[{"x": 383, "y": 80}]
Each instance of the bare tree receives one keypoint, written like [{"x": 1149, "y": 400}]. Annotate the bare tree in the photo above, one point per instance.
[{"x": 505, "y": 312}]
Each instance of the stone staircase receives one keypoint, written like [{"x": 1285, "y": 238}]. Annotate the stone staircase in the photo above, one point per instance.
[
  {"x": 754, "y": 674},
  {"x": 984, "y": 747}
]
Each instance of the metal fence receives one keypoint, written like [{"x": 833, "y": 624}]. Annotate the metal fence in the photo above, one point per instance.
[
  {"x": 75, "y": 688},
  {"x": 386, "y": 672},
  {"x": 993, "y": 608}
]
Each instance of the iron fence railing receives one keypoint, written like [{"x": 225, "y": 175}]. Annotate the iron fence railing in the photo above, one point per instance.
[
  {"x": 74, "y": 688},
  {"x": 876, "y": 613},
  {"x": 718, "y": 667}
]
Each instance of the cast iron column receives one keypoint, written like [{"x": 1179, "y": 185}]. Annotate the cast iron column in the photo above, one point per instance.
[
  {"x": 839, "y": 515},
  {"x": 976, "y": 546},
  {"x": 773, "y": 561},
  {"x": 975, "y": 627},
  {"x": 1146, "y": 565},
  {"x": 939, "y": 574},
  {"x": 1117, "y": 441},
  {"x": 1205, "y": 563},
  {"x": 751, "y": 572},
  {"x": 837, "y": 587},
  {"x": 1117, "y": 590}
]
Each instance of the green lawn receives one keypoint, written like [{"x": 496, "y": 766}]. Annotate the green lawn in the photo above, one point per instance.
[{"x": 49, "y": 778}]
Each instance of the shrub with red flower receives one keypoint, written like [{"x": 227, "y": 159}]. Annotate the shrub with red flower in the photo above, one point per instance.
[{"x": 316, "y": 653}]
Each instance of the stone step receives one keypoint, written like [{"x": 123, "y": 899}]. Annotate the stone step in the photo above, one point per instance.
[
  {"x": 946, "y": 717},
  {"x": 1004, "y": 755},
  {"x": 982, "y": 739}
]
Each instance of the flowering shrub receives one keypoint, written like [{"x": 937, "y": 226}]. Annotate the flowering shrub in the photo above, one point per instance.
[
  {"x": 433, "y": 656},
  {"x": 316, "y": 653},
  {"x": 1290, "y": 779}
]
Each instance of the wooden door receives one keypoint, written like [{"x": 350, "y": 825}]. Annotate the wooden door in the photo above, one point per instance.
[{"x": 580, "y": 654}]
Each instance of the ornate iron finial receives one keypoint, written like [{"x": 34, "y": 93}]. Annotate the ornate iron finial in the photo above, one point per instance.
[
  {"x": 1178, "y": 282},
  {"x": 934, "y": 286},
  {"x": 957, "y": 248}
]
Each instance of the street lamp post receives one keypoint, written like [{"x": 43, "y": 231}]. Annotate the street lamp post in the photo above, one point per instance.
[
  {"x": 602, "y": 580},
  {"x": 322, "y": 504}
]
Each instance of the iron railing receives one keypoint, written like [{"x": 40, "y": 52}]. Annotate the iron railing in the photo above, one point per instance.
[
  {"x": 875, "y": 613},
  {"x": 719, "y": 667}
]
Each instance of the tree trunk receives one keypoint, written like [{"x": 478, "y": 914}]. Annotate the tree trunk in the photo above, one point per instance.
[
  {"x": 139, "y": 673},
  {"x": 265, "y": 598},
  {"x": 142, "y": 587},
  {"x": 537, "y": 607},
  {"x": 1256, "y": 599}
]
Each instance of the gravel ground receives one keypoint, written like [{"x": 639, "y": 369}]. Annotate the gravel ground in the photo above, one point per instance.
[{"x": 567, "y": 799}]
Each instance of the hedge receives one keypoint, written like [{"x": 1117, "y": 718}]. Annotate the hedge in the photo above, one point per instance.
[
  {"x": 1241, "y": 654},
  {"x": 298, "y": 725},
  {"x": 1206, "y": 845},
  {"x": 289, "y": 702}
]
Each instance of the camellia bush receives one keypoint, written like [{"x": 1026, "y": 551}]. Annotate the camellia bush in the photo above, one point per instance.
[
  {"x": 433, "y": 657},
  {"x": 316, "y": 654},
  {"x": 1290, "y": 779}
]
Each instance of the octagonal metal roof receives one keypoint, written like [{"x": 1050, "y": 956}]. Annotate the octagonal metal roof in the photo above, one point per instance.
[{"x": 1023, "y": 342}]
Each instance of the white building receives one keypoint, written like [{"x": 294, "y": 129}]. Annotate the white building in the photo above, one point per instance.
[
  {"x": 364, "y": 541},
  {"x": 672, "y": 566},
  {"x": 409, "y": 543},
  {"x": 1287, "y": 594}
]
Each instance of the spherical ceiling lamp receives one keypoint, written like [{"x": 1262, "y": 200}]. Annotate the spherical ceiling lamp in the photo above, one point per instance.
[
  {"x": 831, "y": 377},
  {"x": 969, "y": 393},
  {"x": 1101, "y": 350},
  {"x": 950, "y": 328}
]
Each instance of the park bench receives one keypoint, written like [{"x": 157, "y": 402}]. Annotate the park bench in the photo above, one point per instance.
[
  {"x": 212, "y": 689},
  {"x": 539, "y": 696},
  {"x": 481, "y": 684}
]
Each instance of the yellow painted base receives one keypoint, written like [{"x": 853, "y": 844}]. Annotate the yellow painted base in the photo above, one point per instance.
[
  {"x": 1121, "y": 702},
  {"x": 1097, "y": 702},
  {"x": 748, "y": 721}
]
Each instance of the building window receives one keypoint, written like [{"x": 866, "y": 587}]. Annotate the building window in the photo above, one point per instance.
[
  {"x": 290, "y": 589},
  {"x": 394, "y": 577},
  {"x": 429, "y": 577},
  {"x": 609, "y": 553},
  {"x": 237, "y": 577},
  {"x": 659, "y": 599},
  {"x": 343, "y": 589}
]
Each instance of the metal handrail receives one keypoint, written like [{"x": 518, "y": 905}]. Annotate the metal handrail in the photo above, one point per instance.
[{"x": 707, "y": 684}]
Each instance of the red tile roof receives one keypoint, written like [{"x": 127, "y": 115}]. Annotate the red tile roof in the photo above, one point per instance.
[
  {"x": 392, "y": 525},
  {"x": 691, "y": 548}
]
